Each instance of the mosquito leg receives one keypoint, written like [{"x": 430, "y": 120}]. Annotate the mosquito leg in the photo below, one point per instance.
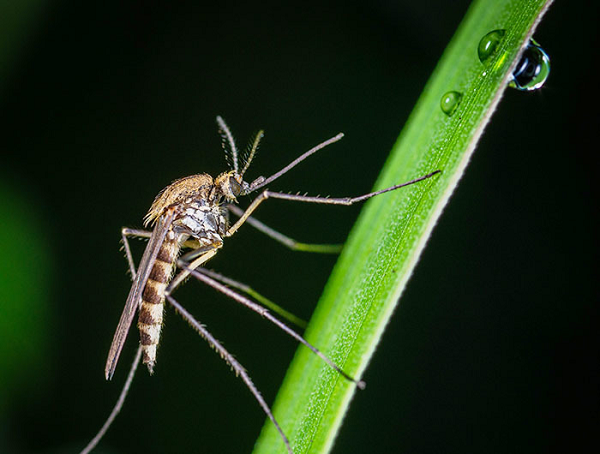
[
  {"x": 189, "y": 257},
  {"x": 229, "y": 359},
  {"x": 126, "y": 232},
  {"x": 136, "y": 233},
  {"x": 266, "y": 314},
  {"x": 286, "y": 240},
  {"x": 117, "y": 408},
  {"x": 346, "y": 201},
  {"x": 254, "y": 294},
  {"x": 184, "y": 273}
]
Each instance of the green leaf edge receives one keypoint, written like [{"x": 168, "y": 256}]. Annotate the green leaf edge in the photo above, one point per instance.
[{"x": 390, "y": 234}]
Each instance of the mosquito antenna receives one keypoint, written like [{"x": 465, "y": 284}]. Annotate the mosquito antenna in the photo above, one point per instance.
[
  {"x": 248, "y": 159},
  {"x": 228, "y": 144},
  {"x": 260, "y": 181}
]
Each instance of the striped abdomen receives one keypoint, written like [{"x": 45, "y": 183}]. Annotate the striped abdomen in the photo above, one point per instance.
[{"x": 153, "y": 300}]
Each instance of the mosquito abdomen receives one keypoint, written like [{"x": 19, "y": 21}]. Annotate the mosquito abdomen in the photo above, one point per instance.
[{"x": 153, "y": 300}]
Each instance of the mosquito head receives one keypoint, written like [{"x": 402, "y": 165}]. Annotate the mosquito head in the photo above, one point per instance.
[{"x": 230, "y": 185}]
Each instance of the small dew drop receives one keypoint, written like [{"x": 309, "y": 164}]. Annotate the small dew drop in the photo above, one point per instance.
[
  {"x": 489, "y": 43},
  {"x": 532, "y": 70},
  {"x": 450, "y": 102}
]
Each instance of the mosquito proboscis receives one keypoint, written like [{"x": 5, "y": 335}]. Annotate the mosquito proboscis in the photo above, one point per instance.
[{"x": 193, "y": 213}]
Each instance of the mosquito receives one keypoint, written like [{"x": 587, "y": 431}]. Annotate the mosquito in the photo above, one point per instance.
[{"x": 192, "y": 215}]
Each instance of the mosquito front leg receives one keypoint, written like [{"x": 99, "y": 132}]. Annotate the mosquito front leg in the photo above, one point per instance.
[
  {"x": 284, "y": 239},
  {"x": 346, "y": 201}
]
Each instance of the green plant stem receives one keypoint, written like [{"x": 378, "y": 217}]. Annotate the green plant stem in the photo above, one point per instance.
[{"x": 392, "y": 230}]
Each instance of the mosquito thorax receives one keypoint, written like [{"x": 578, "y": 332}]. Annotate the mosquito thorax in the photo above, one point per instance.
[
  {"x": 205, "y": 222},
  {"x": 185, "y": 190}
]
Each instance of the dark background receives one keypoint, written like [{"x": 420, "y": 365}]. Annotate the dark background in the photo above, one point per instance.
[{"x": 493, "y": 347}]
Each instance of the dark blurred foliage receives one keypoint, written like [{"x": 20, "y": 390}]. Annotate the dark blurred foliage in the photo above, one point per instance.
[{"x": 493, "y": 347}]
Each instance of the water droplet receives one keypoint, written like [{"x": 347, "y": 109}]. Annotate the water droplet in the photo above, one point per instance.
[
  {"x": 450, "y": 102},
  {"x": 532, "y": 70},
  {"x": 489, "y": 43}
]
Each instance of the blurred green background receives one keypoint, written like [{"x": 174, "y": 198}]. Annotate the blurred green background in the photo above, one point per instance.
[{"x": 493, "y": 347}]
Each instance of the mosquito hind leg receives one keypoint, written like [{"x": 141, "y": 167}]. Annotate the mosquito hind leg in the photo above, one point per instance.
[
  {"x": 233, "y": 363},
  {"x": 254, "y": 294},
  {"x": 266, "y": 314},
  {"x": 117, "y": 408},
  {"x": 126, "y": 233}
]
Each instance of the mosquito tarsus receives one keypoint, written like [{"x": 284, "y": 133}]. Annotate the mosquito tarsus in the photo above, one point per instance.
[{"x": 193, "y": 213}]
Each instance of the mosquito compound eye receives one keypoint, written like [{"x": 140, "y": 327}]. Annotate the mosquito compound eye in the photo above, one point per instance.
[{"x": 235, "y": 187}]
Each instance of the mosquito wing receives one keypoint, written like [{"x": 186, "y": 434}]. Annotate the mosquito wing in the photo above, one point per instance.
[{"x": 133, "y": 300}]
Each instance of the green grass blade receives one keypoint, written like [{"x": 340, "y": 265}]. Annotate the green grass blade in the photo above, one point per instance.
[{"x": 391, "y": 232}]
